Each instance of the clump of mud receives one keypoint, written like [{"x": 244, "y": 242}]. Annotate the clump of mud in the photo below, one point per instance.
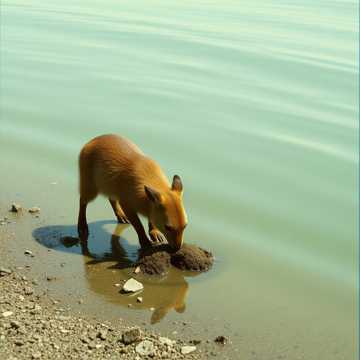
[
  {"x": 157, "y": 260},
  {"x": 154, "y": 261},
  {"x": 191, "y": 257}
]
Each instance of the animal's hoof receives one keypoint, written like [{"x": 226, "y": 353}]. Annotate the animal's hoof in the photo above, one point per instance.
[{"x": 157, "y": 236}]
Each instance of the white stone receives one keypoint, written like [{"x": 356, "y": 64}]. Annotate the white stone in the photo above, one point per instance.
[
  {"x": 7, "y": 313},
  {"x": 132, "y": 285},
  {"x": 187, "y": 349},
  {"x": 167, "y": 341},
  {"x": 145, "y": 348}
]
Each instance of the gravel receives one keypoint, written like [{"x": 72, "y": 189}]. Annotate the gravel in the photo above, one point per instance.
[{"x": 34, "y": 326}]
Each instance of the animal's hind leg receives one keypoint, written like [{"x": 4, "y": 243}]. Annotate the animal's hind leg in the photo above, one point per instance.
[
  {"x": 83, "y": 229},
  {"x": 119, "y": 213}
]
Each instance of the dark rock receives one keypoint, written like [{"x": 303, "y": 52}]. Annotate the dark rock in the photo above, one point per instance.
[
  {"x": 130, "y": 336},
  {"x": 15, "y": 208},
  {"x": 222, "y": 340}
]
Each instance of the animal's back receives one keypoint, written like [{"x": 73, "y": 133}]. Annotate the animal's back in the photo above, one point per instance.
[{"x": 103, "y": 162}]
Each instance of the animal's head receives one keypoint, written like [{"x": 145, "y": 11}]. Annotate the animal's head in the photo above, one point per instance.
[{"x": 168, "y": 213}]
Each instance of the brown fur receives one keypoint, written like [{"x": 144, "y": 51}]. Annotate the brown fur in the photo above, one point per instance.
[{"x": 135, "y": 184}]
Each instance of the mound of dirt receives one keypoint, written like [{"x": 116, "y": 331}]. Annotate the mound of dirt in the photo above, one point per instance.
[
  {"x": 157, "y": 260},
  {"x": 193, "y": 258},
  {"x": 154, "y": 261}
]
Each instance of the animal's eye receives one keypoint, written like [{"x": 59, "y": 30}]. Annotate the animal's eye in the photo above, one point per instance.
[{"x": 169, "y": 228}]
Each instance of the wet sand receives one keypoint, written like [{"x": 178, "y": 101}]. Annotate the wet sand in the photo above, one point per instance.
[{"x": 57, "y": 284}]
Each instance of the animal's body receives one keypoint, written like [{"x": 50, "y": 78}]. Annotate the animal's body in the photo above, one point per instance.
[{"x": 135, "y": 184}]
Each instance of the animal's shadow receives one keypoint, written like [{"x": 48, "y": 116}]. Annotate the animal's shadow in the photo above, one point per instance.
[{"x": 161, "y": 294}]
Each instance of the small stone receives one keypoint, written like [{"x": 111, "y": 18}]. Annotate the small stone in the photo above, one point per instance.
[
  {"x": 63, "y": 318},
  {"x": 80, "y": 301},
  {"x": 5, "y": 271},
  {"x": 139, "y": 299},
  {"x": 34, "y": 210},
  {"x": 15, "y": 208},
  {"x": 130, "y": 336},
  {"x": 166, "y": 341},
  {"x": 91, "y": 345},
  {"x": 117, "y": 285},
  {"x": 7, "y": 313},
  {"x": 28, "y": 291},
  {"x": 187, "y": 349},
  {"x": 137, "y": 270},
  {"x": 36, "y": 355},
  {"x": 84, "y": 339},
  {"x": 19, "y": 342},
  {"x": 195, "y": 342},
  {"x": 145, "y": 348},
  {"x": 222, "y": 340},
  {"x": 132, "y": 286},
  {"x": 29, "y": 253},
  {"x": 15, "y": 324},
  {"x": 152, "y": 309},
  {"x": 102, "y": 334},
  {"x": 50, "y": 278}
]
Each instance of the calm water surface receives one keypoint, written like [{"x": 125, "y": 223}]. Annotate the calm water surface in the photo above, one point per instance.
[{"x": 253, "y": 103}]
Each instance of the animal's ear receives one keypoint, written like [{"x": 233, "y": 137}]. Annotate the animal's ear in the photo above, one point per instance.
[
  {"x": 152, "y": 194},
  {"x": 177, "y": 184}
]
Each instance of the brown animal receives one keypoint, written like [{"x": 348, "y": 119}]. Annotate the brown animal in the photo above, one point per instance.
[{"x": 135, "y": 184}]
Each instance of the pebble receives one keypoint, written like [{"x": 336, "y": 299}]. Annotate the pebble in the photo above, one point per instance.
[
  {"x": 15, "y": 324},
  {"x": 187, "y": 349},
  {"x": 139, "y": 299},
  {"x": 130, "y": 336},
  {"x": 137, "y": 270},
  {"x": 221, "y": 340},
  {"x": 36, "y": 355},
  {"x": 28, "y": 291},
  {"x": 15, "y": 208},
  {"x": 132, "y": 286},
  {"x": 102, "y": 334},
  {"x": 7, "y": 313},
  {"x": 34, "y": 210},
  {"x": 166, "y": 341},
  {"x": 145, "y": 348},
  {"x": 29, "y": 253},
  {"x": 5, "y": 271}
]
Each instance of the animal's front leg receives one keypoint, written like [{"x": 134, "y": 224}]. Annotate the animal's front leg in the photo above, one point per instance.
[
  {"x": 155, "y": 234},
  {"x": 136, "y": 223}
]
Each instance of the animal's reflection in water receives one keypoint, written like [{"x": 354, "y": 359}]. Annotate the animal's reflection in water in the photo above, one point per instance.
[{"x": 102, "y": 272}]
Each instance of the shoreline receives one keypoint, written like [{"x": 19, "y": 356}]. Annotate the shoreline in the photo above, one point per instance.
[{"x": 38, "y": 322}]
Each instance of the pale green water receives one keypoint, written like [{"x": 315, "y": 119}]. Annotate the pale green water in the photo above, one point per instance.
[{"x": 254, "y": 104}]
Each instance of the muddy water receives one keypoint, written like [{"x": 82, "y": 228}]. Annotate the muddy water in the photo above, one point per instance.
[{"x": 253, "y": 104}]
